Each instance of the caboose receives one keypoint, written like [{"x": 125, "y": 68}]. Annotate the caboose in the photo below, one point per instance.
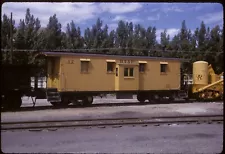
[{"x": 74, "y": 77}]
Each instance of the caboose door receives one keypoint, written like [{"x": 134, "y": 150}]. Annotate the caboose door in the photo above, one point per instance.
[{"x": 53, "y": 72}]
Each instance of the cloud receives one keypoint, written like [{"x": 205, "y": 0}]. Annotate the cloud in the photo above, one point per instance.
[
  {"x": 126, "y": 19},
  {"x": 66, "y": 12},
  {"x": 171, "y": 31},
  {"x": 153, "y": 18},
  {"x": 118, "y": 8},
  {"x": 212, "y": 18},
  {"x": 119, "y": 17},
  {"x": 79, "y": 12}
]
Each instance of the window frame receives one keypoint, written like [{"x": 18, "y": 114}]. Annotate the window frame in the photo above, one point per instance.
[
  {"x": 163, "y": 68},
  {"x": 83, "y": 67},
  {"x": 140, "y": 68},
  {"x": 112, "y": 64},
  {"x": 128, "y": 72}
]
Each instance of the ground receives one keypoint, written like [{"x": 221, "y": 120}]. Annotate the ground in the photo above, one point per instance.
[
  {"x": 202, "y": 138},
  {"x": 131, "y": 110}
]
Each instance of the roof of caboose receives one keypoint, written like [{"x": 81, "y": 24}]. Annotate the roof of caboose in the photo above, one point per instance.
[{"x": 61, "y": 54}]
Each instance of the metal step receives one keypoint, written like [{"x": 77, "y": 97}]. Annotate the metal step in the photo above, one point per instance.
[{"x": 53, "y": 95}]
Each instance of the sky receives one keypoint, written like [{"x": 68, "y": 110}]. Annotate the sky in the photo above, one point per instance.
[{"x": 163, "y": 16}]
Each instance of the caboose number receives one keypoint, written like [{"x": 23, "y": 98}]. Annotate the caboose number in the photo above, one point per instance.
[
  {"x": 70, "y": 62},
  {"x": 126, "y": 61}
]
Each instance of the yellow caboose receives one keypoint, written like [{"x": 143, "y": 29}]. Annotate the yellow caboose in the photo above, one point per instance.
[{"x": 80, "y": 76}]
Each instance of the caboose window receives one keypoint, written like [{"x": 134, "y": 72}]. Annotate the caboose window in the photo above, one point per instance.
[
  {"x": 110, "y": 66},
  {"x": 84, "y": 66},
  {"x": 163, "y": 68},
  {"x": 125, "y": 71},
  {"x": 128, "y": 72},
  {"x": 131, "y": 72},
  {"x": 142, "y": 67}
]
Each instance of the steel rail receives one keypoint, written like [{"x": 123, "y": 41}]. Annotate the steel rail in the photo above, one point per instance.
[
  {"x": 123, "y": 118},
  {"x": 110, "y": 122}
]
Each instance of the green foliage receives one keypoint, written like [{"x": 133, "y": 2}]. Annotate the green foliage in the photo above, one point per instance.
[{"x": 128, "y": 39}]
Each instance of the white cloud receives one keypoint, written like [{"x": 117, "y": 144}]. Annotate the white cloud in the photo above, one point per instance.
[
  {"x": 171, "y": 31},
  {"x": 79, "y": 12},
  {"x": 119, "y": 17},
  {"x": 118, "y": 8},
  {"x": 212, "y": 18},
  {"x": 126, "y": 19},
  {"x": 65, "y": 12}
]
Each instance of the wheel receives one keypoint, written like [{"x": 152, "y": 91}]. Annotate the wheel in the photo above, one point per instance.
[
  {"x": 55, "y": 104},
  {"x": 65, "y": 101},
  {"x": 87, "y": 101},
  {"x": 141, "y": 98},
  {"x": 151, "y": 99}
]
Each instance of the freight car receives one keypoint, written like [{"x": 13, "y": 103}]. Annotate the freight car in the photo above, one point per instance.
[
  {"x": 74, "y": 77},
  {"x": 15, "y": 83}
]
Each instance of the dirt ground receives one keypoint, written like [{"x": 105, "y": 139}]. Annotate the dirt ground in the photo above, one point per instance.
[{"x": 112, "y": 111}]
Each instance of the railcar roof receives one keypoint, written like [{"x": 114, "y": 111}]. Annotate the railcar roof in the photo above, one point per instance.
[{"x": 59, "y": 54}]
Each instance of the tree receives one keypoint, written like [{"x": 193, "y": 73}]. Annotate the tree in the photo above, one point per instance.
[
  {"x": 53, "y": 34},
  {"x": 5, "y": 31},
  {"x": 88, "y": 39},
  {"x": 202, "y": 37},
  {"x": 184, "y": 37}
]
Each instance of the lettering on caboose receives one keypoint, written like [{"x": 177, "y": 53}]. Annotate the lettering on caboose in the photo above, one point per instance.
[
  {"x": 70, "y": 61},
  {"x": 126, "y": 61}
]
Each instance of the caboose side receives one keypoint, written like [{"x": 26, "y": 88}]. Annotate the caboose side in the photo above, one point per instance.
[{"x": 76, "y": 76}]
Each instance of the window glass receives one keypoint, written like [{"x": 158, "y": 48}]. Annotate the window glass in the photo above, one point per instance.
[
  {"x": 125, "y": 71},
  {"x": 131, "y": 71},
  {"x": 141, "y": 67},
  {"x": 163, "y": 68},
  {"x": 84, "y": 66},
  {"x": 110, "y": 66}
]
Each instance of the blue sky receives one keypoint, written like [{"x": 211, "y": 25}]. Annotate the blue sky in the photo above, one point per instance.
[{"x": 161, "y": 15}]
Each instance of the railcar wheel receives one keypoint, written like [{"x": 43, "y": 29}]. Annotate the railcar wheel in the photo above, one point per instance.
[
  {"x": 87, "y": 101},
  {"x": 55, "y": 104},
  {"x": 66, "y": 101},
  {"x": 141, "y": 98}
]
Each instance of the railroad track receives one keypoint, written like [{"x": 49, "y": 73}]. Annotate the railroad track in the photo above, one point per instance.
[
  {"x": 36, "y": 108},
  {"x": 112, "y": 122}
]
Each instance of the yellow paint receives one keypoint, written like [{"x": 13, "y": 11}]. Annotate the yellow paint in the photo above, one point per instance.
[
  {"x": 163, "y": 62},
  {"x": 209, "y": 80},
  {"x": 109, "y": 60},
  {"x": 143, "y": 62},
  {"x": 200, "y": 73},
  {"x": 53, "y": 73},
  {"x": 70, "y": 77}
]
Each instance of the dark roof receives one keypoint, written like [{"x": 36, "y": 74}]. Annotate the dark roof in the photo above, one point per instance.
[{"x": 59, "y": 54}]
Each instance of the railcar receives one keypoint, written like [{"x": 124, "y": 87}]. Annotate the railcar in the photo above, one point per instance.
[
  {"x": 15, "y": 83},
  {"x": 74, "y": 77}
]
